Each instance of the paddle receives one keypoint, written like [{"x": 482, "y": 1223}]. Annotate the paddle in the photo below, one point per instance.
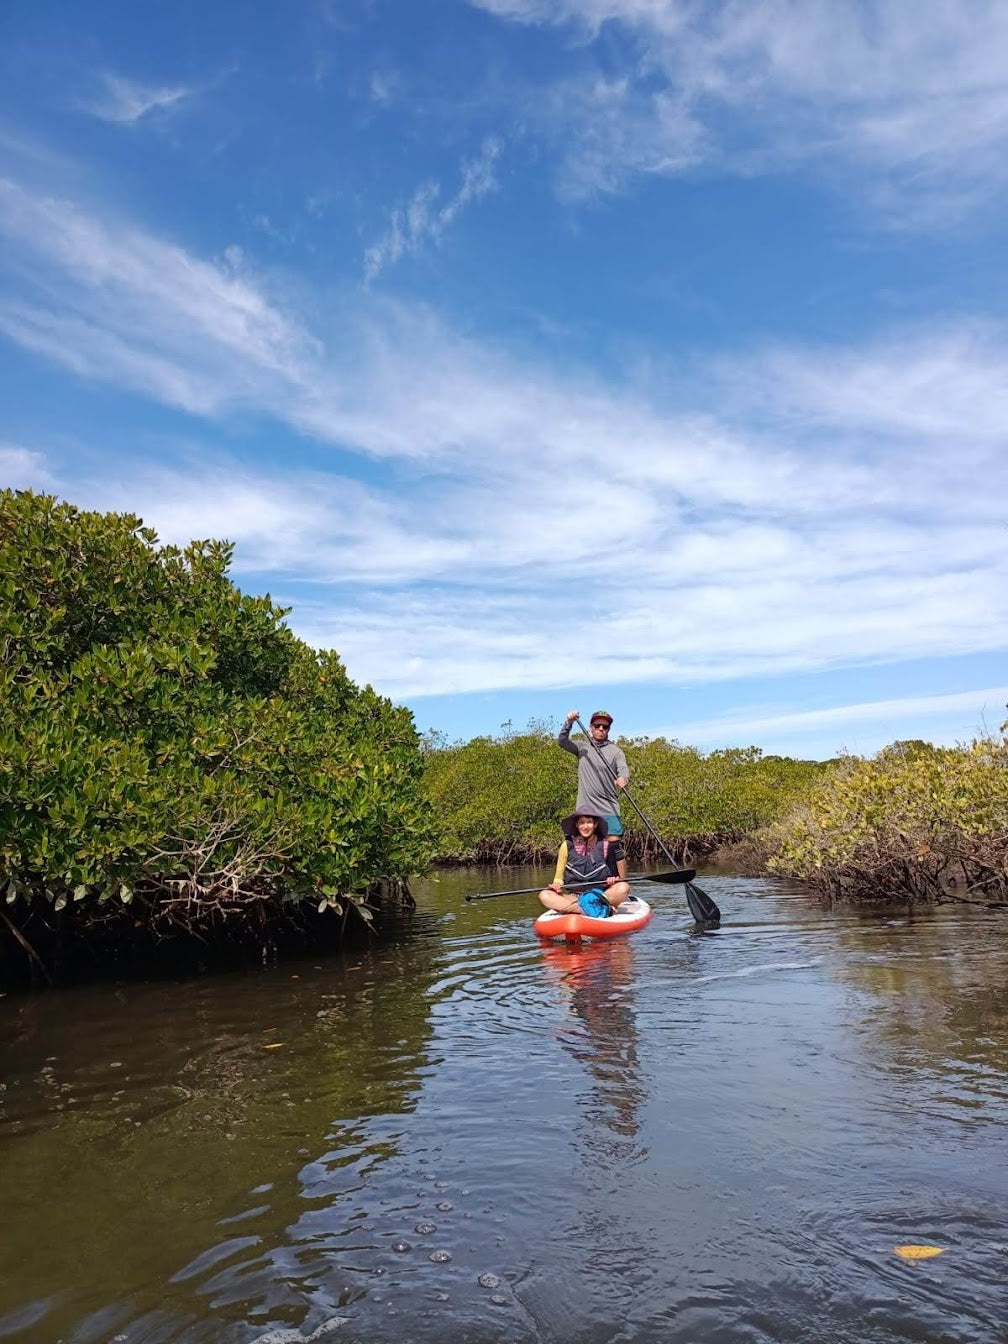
[
  {"x": 680, "y": 875},
  {"x": 702, "y": 908}
]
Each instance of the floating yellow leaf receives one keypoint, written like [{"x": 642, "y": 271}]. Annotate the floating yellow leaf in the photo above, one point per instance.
[
  {"x": 274, "y": 1045},
  {"x": 919, "y": 1252}
]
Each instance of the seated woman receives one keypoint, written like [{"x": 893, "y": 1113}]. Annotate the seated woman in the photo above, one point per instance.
[{"x": 586, "y": 858}]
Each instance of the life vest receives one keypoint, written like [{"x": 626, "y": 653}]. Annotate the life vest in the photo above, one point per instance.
[{"x": 590, "y": 867}]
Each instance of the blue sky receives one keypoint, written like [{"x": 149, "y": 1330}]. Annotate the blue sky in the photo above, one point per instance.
[{"x": 540, "y": 354}]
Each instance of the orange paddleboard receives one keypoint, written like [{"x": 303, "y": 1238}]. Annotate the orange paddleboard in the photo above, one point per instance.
[{"x": 574, "y": 926}]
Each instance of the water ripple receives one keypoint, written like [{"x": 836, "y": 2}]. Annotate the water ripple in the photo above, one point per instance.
[{"x": 463, "y": 1133}]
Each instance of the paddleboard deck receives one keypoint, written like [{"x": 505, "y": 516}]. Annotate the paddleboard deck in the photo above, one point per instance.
[{"x": 574, "y": 926}]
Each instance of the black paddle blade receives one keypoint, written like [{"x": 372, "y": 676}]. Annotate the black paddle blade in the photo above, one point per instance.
[
  {"x": 680, "y": 875},
  {"x": 702, "y": 908}
]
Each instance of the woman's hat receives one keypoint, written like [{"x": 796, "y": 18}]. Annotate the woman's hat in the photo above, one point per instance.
[{"x": 569, "y": 824}]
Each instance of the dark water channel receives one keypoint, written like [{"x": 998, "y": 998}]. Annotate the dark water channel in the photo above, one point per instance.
[{"x": 463, "y": 1136}]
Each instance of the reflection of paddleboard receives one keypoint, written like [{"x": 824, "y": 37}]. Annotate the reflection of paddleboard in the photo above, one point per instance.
[{"x": 633, "y": 914}]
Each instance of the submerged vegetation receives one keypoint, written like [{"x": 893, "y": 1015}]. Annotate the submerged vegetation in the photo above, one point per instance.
[{"x": 173, "y": 761}]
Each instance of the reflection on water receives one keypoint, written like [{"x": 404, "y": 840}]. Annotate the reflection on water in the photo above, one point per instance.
[
  {"x": 945, "y": 1013},
  {"x": 597, "y": 982},
  {"x": 466, "y": 1134}
]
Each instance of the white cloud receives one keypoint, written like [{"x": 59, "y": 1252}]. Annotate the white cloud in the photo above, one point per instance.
[
  {"x": 793, "y": 509},
  {"x": 917, "y": 95},
  {"x": 882, "y": 711},
  {"x": 958, "y": 717},
  {"x": 23, "y": 468},
  {"x": 127, "y": 101},
  {"x": 385, "y": 87},
  {"x": 424, "y": 220},
  {"x": 303, "y": 524},
  {"x": 734, "y": 623},
  {"x": 591, "y": 14},
  {"x": 114, "y": 303},
  {"x": 928, "y": 385}
]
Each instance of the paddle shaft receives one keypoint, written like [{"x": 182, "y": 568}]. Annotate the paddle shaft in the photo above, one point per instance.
[
  {"x": 680, "y": 876},
  {"x": 529, "y": 891}
]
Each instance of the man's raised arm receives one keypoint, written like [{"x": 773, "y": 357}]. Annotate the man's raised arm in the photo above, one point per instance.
[{"x": 563, "y": 737}]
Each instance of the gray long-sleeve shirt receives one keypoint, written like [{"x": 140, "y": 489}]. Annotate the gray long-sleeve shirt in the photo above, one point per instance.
[{"x": 597, "y": 791}]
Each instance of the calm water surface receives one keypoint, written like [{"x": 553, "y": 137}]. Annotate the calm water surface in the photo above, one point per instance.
[{"x": 466, "y": 1136}]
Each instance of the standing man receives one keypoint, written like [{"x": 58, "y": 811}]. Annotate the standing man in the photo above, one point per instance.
[{"x": 602, "y": 772}]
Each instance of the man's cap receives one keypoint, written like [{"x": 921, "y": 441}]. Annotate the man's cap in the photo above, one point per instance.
[{"x": 599, "y": 715}]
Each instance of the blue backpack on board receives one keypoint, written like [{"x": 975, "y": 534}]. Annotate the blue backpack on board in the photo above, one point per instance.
[{"x": 593, "y": 903}]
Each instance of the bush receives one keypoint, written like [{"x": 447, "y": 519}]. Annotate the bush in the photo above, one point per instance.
[
  {"x": 917, "y": 822},
  {"x": 168, "y": 745}
]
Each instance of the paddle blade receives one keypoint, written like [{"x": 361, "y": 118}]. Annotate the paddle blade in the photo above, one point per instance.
[
  {"x": 702, "y": 908},
  {"x": 680, "y": 875}
]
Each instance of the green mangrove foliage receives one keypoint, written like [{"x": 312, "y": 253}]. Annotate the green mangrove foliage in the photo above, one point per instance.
[
  {"x": 501, "y": 799},
  {"x": 171, "y": 756},
  {"x": 715, "y": 798},
  {"x": 917, "y": 822}
]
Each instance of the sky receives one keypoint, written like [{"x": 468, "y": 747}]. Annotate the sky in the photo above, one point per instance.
[{"x": 647, "y": 355}]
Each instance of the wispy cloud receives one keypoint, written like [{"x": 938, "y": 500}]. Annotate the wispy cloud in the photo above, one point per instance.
[
  {"x": 915, "y": 96},
  {"x": 783, "y": 510},
  {"x": 884, "y": 711},
  {"x": 425, "y": 219},
  {"x": 116, "y": 304},
  {"x": 23, "y": 468},
  {"x": 127, "y": 101},
  {"x": 972, "y": 712},
  {"x": 385, "y": 87},
  {"x": 927, "y": 385}
]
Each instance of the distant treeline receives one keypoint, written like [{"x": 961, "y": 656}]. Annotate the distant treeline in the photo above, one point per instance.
[
  {"x": 501, "y": 799},
  {"x": 176, "y": 768},
  {"x": 916, "y": 822}
]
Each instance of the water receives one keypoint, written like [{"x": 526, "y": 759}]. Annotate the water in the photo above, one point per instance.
[{"x": 465, "y": 1136}]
